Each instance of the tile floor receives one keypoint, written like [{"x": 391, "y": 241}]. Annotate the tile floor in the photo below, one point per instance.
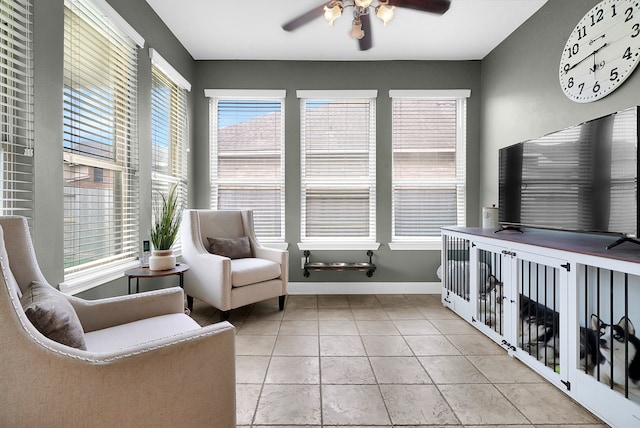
[{"x": 381, "y": 361}]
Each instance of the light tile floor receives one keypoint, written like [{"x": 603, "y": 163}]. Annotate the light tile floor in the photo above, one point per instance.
[{"x": 381, "y": 361}]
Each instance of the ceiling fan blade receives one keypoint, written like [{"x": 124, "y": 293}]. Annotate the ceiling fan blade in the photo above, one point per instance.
[
  {"x": 366, "y": 42},
  {"x": 433, "y": 6},
  {"x": 305, "y": 18}
]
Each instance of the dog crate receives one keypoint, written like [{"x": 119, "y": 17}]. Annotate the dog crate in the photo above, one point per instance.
[
  {"x": 609, "y": 349},
  {"x": 561, "y": 303},
  {"x": 455, "y": 266},
  {"x": 456, "y": 275},
  {"x": 491, "y": 294},
  {"x": 519, "y": 304}
]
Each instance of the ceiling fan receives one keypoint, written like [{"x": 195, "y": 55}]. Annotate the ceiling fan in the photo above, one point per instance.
[{"x": 361, "y": 25}]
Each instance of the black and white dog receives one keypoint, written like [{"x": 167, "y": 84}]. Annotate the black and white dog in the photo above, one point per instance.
[
  {"x": 614, "y": 365},
  {"x": 589, "y": 353}
]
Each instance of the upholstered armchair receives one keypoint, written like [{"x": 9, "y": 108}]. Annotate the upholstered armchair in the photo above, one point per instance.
[
  {"x": 228, "y": 266},
  {"x": 126, "y": 361}
]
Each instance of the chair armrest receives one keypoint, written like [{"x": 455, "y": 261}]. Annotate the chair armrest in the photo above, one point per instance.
[
  {"x": 209, "y": 277},
  {"x": 277, "y": 256},
  {"x": 103, "y": 313},
  {"x": 273, "y": 254}
]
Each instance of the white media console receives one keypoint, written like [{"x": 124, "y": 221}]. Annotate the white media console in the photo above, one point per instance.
[{"x": 537, "y": 294}]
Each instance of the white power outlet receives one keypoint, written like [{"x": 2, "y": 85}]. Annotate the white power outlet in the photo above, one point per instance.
[{"x": 302, "y": 260}]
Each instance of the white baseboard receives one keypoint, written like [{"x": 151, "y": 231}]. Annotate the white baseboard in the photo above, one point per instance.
[{"x": 364, "y": 288}]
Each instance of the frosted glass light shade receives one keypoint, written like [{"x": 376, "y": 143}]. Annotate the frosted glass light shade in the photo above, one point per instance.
[
  {"x": 332, "y": 13},
  {"x": 385, "y": 13}
]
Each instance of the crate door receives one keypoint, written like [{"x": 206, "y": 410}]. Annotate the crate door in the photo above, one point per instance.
[
  {"x": 455, "y": 274},
  {"x": 607, "y": 348},
  {"x": 540, "y": 320},
  {"x": 490, "y": 310}
]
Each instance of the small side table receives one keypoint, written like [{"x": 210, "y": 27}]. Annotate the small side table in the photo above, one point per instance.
[{"x": 144, "y": 272}]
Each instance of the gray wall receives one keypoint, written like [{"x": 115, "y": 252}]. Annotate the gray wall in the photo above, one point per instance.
[
  {"x": 392, "y": 266},
  {"x": 48, "y": 81},
  {"x": 521, "y": 93}
]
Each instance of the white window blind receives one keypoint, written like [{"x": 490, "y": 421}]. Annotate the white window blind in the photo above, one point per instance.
[
  {"x": 429, "y": 134},
  {"x": 169, "y": 139},
  {"x": 338, "y": 166},
  {"x": 16, "y": 114},
  {"x": 100, "y": 140},
  {"x": 247, "y": 157}
]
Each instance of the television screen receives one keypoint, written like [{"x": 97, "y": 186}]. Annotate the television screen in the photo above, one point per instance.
[{"x": 583, "y": 178}]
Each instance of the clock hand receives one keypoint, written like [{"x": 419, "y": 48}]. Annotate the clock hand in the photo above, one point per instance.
[
  {"x": 584, "y": 59},
  {"x": 605, "y": 44}
]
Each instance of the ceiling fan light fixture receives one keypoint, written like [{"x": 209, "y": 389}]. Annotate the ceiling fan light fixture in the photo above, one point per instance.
[
  {"x": 332, "y": 13},
  {"x": 362, "y": 9},
  {"x": 356, "y": 29},
  {"x": 385, "y": 13}
]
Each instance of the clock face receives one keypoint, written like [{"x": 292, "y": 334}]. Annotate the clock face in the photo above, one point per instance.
[{"x": 602, "y": 51}]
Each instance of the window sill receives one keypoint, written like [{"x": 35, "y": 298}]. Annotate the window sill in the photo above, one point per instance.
[
  {"x": 416, "y": 246},
  {"x": 83, "y": 281},
  {"x": 338, "y": 246}
]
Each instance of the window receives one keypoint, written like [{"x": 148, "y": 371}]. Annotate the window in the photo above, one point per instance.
[
  {"x": 338, "y": 167},
  {"x": 247, "y": 156},
  {"x": 101, "y": 200},
  {"x": 169, "y": 133},
  {"x": 429, "y": 133},
  {"x": 16, "y": 108}
]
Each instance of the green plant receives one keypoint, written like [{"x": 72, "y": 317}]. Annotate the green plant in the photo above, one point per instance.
[{"x": 167, "y": 218}]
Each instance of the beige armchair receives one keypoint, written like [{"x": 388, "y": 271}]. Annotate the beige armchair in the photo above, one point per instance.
[
  {"x": 127, "y": 361},
  {"x": 241, "y": 272}
]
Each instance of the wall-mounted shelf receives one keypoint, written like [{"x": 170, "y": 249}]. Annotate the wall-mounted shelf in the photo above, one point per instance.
[{"x": 367, "y": 267}]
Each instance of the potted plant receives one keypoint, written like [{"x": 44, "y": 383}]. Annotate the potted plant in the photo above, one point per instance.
[{"x": 164, "y": 231}]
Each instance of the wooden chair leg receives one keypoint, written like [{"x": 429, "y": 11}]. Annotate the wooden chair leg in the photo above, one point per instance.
[
  {"x": 190, "y": 303},
  {"x": 225, "y": 315},
  {"x": 281, "y": 301}
]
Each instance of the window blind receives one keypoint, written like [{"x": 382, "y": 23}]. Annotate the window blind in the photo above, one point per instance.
[
  {"x": 169, "y": 140},
  {"x": 428, "y": 166},
  {"x": 16, "y": 108},
  {"x": 101, "y": 198},
  {"x": 338, "y": 169},
  {"x": 247, "y": 158}
]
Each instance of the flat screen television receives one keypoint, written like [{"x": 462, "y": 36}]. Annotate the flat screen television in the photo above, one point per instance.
[{"x": 583, "y": 178}]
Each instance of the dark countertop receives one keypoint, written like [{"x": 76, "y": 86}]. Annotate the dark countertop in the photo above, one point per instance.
[{"x": 582, "y": 243}]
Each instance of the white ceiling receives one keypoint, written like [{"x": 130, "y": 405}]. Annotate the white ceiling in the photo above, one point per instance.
[{"x": 252, "y": 30}]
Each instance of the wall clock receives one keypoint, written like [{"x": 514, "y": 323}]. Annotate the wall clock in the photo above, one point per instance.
[{"x": 602, "y": 50}]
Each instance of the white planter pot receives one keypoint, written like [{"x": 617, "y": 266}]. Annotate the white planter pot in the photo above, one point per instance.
[{"x": 162, "y": 260}]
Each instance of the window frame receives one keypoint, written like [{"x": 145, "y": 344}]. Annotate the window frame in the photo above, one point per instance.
[
  {"x": 370, "y": 180},
  {"x": 248, "y": 95},
  {"x": 98, "y": 16},
  {"x": 177, "y": 139},
  {"x": 460, "y": 96}
]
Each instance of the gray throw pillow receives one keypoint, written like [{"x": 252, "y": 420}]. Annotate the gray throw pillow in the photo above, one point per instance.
[
  {"x": 52, "y": 315},
  {"x": 234, "y": 248}
]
